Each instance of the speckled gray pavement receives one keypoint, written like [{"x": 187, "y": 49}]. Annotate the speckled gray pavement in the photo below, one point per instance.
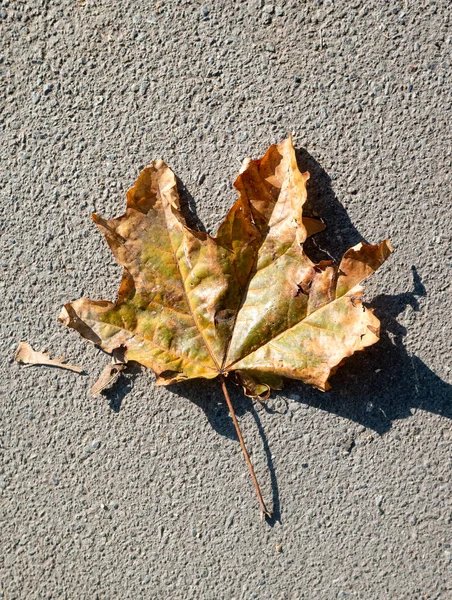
[{"x": 143, "y": 493}]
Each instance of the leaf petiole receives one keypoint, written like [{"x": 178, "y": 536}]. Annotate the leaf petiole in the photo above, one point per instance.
[{"x": 264, "y": 510}]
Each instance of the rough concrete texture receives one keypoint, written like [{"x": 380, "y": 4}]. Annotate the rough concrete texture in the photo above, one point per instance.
[{"x": 143, "y": 493}]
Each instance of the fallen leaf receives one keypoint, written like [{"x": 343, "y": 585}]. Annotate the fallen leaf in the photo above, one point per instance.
[
  {"x": 248, "y": 303},
  {"x": 27, "y": 356}
]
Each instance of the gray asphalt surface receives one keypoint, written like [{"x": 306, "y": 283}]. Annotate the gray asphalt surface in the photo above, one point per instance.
[{"x": 143, "y": 493}]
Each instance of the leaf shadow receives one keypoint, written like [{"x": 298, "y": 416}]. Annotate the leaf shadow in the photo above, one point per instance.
[
  {"x": 385, "y": 383},
  {"x": 188, "y": 207},
  {"x": 123, "y": 386},
  {"x": 340, "y": 233}
]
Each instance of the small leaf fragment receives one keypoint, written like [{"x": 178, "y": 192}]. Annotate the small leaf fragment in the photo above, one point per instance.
[
  {"x": 110, "y": 373},
  {"x": 27, "y": 356}
]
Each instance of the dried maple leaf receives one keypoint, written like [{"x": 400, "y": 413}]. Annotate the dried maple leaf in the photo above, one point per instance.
[
  {"x": 247, "y": 302},
  {"x": 27, "y": 356}
]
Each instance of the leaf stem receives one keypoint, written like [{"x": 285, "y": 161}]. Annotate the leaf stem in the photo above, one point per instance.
[{"x": 264, "y": 509}]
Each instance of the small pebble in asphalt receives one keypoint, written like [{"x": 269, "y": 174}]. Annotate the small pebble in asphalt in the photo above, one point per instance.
[
  {"x": 95, "y": 445},
  {"x": 349, "y": 445},
  {"x": 144, "y": 87},
  {"x": 35, "y": 97}
]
